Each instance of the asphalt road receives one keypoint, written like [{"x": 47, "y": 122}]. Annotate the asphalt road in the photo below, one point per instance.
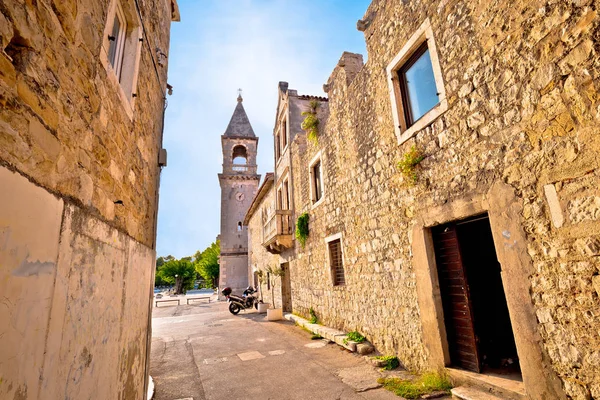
[{"x": 201, "y": 351}]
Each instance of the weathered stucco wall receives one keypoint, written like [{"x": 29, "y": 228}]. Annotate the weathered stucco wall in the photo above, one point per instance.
[
  {"x": 523, "y": 110},
  {"x": 75, "y": 298},
  {"x": 79, "y": 177}
]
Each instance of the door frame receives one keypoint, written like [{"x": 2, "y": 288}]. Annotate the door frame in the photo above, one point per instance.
[{"x": 504, "y": 211}]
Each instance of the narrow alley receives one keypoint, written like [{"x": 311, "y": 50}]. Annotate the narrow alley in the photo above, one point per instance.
[{"x": 201, "y": 351}]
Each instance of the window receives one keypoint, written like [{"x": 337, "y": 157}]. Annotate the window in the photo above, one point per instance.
[
  {"x": 239, "y": 155},
  {"x": 277, "y": 147},
  {"x": 116, "y": 48},
  {"x": 121, "y": 50},
  {"x": 336, "y": 263},
  {"x": 316, "y": 179},
  {"x": 284, "y": 133},
  {"x": 316, "y": 173},
  {"x": 286, "y": 195},
  {"x": 416, "y": 85},
  {"x": 239, "y": 226}
]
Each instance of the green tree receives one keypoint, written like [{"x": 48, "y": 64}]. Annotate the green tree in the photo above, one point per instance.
[
  {"x": 207, "y": 263},
  {"x": 181, "y": 273}
]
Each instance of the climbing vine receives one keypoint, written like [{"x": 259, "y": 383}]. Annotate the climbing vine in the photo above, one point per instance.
[
  {"x": 311, "y": 122},
  {"x": 302, "y": 229},
  {"x": 409, "y": 161}
]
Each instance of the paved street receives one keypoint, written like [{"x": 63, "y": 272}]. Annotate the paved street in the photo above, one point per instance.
[{"x": 201, "y": 351}]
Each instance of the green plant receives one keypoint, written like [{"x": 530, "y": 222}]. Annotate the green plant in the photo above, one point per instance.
[
  {"x": 391, "y": 362},
  {"x": 414, "y": 389},
  {"x": 275, "y": 272},
  {"x": 354, "y": 336},
  {"x": 409, "y": 161},
  {"x": 302, "y": 229},
  {"x": 311, "y": 122},
  {"x": 316, "y": 336},
  {"x": 313, "y": 316},
  {"x": 260, "y": 274}
]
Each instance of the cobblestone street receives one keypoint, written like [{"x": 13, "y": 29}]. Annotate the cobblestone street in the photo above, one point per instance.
[{"x": 203, "y": 352}]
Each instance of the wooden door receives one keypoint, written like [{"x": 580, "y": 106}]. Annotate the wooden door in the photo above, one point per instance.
[
  {"x": 286, "y": 288},
  {"x": 458, "y": 313}
]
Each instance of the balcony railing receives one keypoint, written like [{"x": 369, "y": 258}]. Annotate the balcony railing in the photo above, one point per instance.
[
  {"x": 277, "y": 231},
  {"x": 239, "y": 167}
]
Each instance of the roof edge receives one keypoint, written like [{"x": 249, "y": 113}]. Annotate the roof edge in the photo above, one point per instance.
[{"x": 260, "y": 194}]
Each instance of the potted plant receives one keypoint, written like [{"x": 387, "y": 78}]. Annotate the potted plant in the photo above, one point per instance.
[
  {"x": 262, "y": 307},
  {"x": 274, "y": 314}
]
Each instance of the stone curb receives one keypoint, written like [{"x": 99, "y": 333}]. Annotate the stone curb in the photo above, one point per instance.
[{"x": 331, "y": 334}]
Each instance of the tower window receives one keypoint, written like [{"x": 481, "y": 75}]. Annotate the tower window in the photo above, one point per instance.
[
  {"x": 239, "y": 227},
  {"x": 239, "y": 155}
]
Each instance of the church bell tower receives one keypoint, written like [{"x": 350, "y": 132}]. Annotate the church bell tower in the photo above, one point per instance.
[{"x": 239, "y": 183}]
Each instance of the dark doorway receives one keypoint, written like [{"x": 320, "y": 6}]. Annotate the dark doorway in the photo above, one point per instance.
[
  {"x": 479, "y": 332},
  {"x": 286, "y": 288}
]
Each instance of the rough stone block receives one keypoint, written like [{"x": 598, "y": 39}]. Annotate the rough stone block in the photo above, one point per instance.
[{"x": 364, "y": 348}]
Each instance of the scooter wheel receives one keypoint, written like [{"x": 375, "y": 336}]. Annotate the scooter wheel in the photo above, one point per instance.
[{"x": 234, "y": 309}]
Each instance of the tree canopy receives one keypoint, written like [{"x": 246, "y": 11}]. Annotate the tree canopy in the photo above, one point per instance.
[
  {"x": 207, "y": 263},
  {"x": 181, "y": 273},
  {"x": 187, "y": 269}
]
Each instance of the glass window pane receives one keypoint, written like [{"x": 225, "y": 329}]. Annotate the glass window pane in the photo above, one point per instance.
[
  {"x": 317, "y": 180},
  {"x": 112, "y": 49},
  {"x": 420, "y": 84}
]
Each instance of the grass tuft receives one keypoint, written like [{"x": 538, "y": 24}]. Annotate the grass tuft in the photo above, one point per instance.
[
  {"x": 426, "y": 383},
  {"x": 391, "y": 362},
  {"x": 316, "y": 336}
]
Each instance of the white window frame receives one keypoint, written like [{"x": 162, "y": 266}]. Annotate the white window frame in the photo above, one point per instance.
[
  {"x": 124, "y": 76},
  {"x": 422, "y": 35},
  {"x": 119, "y": 41},
  {"x": 329, "y": 239},
  {"x": 317, "y": 158}
]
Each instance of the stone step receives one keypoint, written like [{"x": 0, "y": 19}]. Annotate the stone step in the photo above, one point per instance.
[
  {"x": 504, "y": 387},
  {"x": 470, "y": 393}
]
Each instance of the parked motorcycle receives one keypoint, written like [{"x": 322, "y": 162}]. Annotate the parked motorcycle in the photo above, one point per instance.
[{"x": 237, "y": 303}]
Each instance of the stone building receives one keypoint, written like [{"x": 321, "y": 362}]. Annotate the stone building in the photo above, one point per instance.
[
  {"x": 82, "y": 98},
  {"x": 239, "y": 182},
  {"x": 482, "y": 256}
]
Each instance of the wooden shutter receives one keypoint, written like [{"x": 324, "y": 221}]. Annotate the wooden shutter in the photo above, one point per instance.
[
  {"x": 335, "y": 259},
  {"x": 458, "y": 315}
]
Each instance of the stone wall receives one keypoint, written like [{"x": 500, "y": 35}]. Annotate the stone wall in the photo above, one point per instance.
[
  {"x": 63, "y": 122},
  {"x": 79, "y": 175},
  {"x": 523, "y": 110}
]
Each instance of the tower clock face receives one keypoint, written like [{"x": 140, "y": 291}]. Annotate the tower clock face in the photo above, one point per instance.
[{"x": 239, "y": 196}]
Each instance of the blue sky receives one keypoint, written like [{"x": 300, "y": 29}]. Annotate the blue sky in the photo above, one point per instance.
[{"x": 218, "y": 47}]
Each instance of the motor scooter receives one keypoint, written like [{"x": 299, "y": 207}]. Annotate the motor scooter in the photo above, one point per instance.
[{"x": 237, "y": 303}]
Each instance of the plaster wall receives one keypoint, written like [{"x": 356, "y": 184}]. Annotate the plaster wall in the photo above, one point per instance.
[{"x": 76, "y": 294}]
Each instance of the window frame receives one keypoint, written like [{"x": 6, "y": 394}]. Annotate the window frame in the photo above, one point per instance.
[
  {"x": 125, "y": 74},
  {"x": 284, "y": 137},
  {"x": 422, "y": 39},
  {"x": 317, "y": 159},
  {"x": 119, "y": 41},
  {"x": 333, "y": 273}
]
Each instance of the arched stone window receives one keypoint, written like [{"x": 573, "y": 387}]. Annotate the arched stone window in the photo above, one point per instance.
[
  {"x": 239, "y": 155},
  {"x": 239, "y": 227}
]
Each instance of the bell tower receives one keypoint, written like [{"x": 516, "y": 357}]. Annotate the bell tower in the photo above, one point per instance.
[{"x": 239, "y": 183}]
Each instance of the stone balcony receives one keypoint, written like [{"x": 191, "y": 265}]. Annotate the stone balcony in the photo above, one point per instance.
[{"x": 278, "y": 232}]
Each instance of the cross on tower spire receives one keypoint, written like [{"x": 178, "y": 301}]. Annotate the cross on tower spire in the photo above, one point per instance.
[{"x": 240, "y": 99}]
